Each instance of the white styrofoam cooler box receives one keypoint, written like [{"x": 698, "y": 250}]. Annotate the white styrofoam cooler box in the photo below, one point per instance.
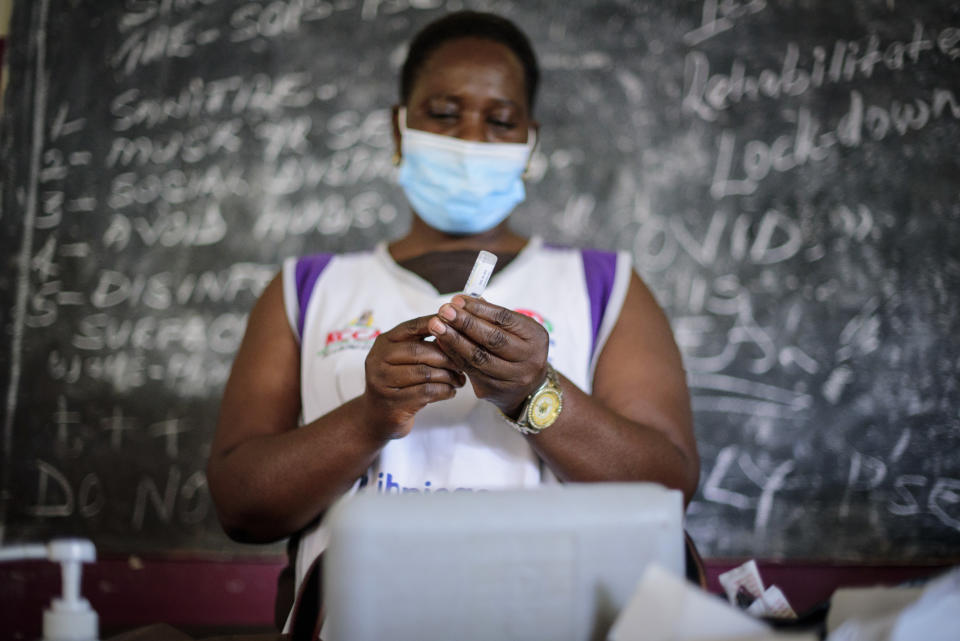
[{"x": 552, "y": 563}]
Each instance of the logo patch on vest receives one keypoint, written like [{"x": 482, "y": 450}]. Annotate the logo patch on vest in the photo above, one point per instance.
[
  {"x": 358, "y": 334},
  {"x": 547, "y": 325}
]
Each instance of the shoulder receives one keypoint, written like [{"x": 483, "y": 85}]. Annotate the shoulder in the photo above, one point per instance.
[
  {"x": 604, "y": 277},
  {"x": 598, "y": 264},
  {"x": 301, "y": 274},
  {"x": 606, "y": 273}
]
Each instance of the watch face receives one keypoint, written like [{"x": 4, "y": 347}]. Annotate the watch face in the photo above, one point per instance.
[{"x": 544, "y": 409}]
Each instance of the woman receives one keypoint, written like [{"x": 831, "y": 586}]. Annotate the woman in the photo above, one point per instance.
[{"x": 365, "y": 370}]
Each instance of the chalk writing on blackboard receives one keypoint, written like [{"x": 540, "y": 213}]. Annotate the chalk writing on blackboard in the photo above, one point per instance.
[{"x": 784, "y": 174}]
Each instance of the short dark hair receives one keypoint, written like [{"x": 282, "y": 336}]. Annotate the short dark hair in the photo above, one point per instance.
[{"x": 469, "y": 24}]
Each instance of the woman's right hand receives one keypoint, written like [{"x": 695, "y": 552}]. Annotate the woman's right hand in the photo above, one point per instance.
[
  {"x": 270, "y": 477},
  {"x": 404, "y": 373}
]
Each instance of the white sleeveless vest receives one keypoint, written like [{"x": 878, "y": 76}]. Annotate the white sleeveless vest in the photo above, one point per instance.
[{"x": 338, "y": 304}]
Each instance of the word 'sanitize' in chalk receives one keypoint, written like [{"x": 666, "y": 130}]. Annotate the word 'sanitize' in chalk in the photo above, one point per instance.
[{"x": 480, "y": 274}]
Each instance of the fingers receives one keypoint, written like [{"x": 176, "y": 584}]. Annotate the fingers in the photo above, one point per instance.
[
  {"x": 472, "y": 357},
  {"x": 403, "y": 376},
  {"x": 402, "y": 359},
  {"x": 415, "y": 328},
  {"x": 498, "y": 331},
  {"x": 493, "y": 317},
  {"x": 481, "y": 337},
  {"x": 404, "y": 372},
  {"x": 418, "y": 352}
]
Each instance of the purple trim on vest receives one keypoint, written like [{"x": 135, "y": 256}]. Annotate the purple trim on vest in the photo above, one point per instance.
[
  {"x": 600, "y": 269},
  {"x": 307, "y": 272}
]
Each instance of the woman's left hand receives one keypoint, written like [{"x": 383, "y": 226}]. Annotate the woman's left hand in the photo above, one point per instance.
[{"x": 502, "y": 352}]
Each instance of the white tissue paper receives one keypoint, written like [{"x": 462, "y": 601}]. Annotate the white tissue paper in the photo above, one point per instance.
[
  {"x": 666, "y": 607},
  {"x": 745, "y": 581},
  {"x": 933, "y": 616}
]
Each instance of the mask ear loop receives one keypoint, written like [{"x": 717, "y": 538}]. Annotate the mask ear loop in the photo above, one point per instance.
[
  {"x": 402, "y": 125},
  {"x": 533, "y": 147}
]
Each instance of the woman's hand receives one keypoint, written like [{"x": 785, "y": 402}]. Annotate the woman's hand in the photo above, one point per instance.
[
  {"x": 404, "y": 373},
  {"x": 504, "y": 353}
]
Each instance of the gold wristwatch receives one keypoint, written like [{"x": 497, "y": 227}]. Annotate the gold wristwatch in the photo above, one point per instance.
[{"x": 541, "y": 408}]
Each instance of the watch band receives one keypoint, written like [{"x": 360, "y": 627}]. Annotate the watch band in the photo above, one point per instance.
[{"x": 542, "y": 407}]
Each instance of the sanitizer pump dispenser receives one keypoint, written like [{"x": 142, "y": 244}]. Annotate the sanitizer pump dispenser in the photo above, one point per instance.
[{"x": 69, "y": 617}]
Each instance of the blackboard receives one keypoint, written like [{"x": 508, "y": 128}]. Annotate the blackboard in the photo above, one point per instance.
[{"x": 785, "y": 173}]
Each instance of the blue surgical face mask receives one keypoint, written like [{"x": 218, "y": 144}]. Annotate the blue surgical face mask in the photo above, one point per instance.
[{"x": 461, "y": 187}]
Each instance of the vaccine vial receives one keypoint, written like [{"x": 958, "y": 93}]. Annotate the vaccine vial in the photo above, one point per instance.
[{"x": 480, "y": 274}]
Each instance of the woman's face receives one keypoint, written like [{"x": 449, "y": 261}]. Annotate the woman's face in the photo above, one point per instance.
[{"x": 472, "y": 89}]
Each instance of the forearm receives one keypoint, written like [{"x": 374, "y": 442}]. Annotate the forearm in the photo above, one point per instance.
[
  {"x": 590, "y": 442},
  {"x": 271, "y": 486}
]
